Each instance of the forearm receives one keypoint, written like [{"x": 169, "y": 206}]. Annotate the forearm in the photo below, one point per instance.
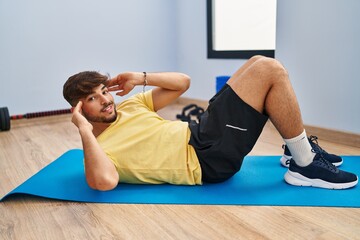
[
  {"x": 100, "y": 172},
  {"x": 168, "y": 85},
  {"x": 167, "y": 80}
]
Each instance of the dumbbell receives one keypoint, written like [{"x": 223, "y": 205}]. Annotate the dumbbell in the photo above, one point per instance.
[
  {"x": 190, "y": 110},
  {"x": 5, "y": 116}
]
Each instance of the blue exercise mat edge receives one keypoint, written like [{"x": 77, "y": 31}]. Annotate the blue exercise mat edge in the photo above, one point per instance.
[{"x": 259, "y": 183}]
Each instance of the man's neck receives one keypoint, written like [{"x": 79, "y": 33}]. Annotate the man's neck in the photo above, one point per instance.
[{"x": 98, "y": 128}]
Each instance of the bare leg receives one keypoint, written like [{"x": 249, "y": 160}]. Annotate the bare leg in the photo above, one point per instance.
[{"x": 263, "y": 83}]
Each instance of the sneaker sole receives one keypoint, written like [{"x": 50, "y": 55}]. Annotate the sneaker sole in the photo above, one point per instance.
[
  {"x": 285, "y": 161},
  {"x": 294, "y": 178}
]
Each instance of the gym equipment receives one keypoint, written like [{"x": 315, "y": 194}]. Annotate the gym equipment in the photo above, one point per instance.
[
  {"x": 5, "y": 117},
  {"x": 221, "y": 81},
  {"x": 189, "y": 111},
  {"x": 260, "y": 182}
]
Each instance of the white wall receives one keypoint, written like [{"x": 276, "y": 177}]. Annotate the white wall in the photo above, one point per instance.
[
  {"x": 43, "y": 42},
  {"x": 192, "y": 51},
  {"x": 319, "y": 42}
]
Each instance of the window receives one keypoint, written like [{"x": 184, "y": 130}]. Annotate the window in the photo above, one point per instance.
[{"x": 241, "y": 28}]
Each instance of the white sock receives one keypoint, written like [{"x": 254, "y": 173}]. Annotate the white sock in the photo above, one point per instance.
[{"x": 300, "y": 149}]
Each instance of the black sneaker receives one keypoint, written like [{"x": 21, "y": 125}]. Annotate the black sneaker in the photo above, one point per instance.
[
  {"x": 334, "y": 159},
  {"x": 320, "y": 173}
]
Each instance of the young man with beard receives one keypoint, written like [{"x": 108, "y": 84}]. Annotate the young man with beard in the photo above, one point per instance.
[{"x": 130, "y": 143}]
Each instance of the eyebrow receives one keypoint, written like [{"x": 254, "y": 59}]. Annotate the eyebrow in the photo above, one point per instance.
[{"x": 93, "y": 92}]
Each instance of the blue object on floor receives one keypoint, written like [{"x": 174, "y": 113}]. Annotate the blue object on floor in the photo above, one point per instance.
[
  {"x": 220, "y": 82},
  {"x": 260, "y": 182}
]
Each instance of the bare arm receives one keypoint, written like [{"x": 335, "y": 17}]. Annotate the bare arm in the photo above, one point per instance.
[
  {"x": 169, "y": 85},
  {"x": 100, "y": 172}
]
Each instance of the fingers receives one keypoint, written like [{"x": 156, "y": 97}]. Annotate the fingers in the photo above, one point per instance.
[
  {"x": 117, "y": 84},
  {"x": 78, "y": 107},
  {"x": 114, "y": 82},
  {"x": 111, "y": 83},
  {"x": 122, "y": 93},
  {"x": 115, "y": 88},
  {"x": 77, "y": 114},
  {"x": 122, "y": 84}
]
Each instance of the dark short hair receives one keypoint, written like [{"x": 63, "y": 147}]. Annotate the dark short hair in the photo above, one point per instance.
[{"x": 81, "y": 85}]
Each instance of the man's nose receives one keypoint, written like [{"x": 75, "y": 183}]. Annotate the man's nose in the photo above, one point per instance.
[{"x": 104, "y": 99}]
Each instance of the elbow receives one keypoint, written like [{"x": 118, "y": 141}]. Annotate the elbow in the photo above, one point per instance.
[
  {"x": 103, "y": 183},
  {"x": 186, "y": 82}
]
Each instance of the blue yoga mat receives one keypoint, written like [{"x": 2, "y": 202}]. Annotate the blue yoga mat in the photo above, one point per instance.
[{"x": 260, "y": 182}]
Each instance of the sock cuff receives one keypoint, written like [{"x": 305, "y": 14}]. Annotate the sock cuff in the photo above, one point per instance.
[
  {"x": 300, "y": 149},
  {"x": 297, "y": 138}
]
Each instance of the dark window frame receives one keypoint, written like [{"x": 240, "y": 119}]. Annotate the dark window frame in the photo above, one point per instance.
[{"x": 234, "y": 54}]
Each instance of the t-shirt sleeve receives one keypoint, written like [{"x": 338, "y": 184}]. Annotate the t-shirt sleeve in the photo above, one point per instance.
[{"x": 144, "y": 98}]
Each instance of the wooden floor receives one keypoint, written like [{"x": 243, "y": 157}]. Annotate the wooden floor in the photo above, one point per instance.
[{"x": 32, "y": 144}]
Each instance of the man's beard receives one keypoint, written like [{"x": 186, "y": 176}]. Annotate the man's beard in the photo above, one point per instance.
[{"x": 101, "y": 119}]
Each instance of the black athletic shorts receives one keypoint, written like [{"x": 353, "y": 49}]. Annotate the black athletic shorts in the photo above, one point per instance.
[{"x": 225, "y": 134}]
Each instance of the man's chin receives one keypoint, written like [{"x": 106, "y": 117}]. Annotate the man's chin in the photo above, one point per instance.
[{"x": 109, "y": 119}]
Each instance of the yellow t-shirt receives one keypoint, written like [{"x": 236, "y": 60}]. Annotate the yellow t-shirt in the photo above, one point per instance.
[{"x": 146, "y": 148}]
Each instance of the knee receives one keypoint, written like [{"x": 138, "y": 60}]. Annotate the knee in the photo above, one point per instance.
[
  {"x": 256, "y": 57},
  {"x": 271, "y": 67}
]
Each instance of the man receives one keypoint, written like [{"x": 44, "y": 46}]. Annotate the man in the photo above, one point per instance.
[{"x": 131, "y": 143}]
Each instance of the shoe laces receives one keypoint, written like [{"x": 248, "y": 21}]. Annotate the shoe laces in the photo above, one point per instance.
[
  {"x": 315, "y": 144},
  {"x": 320, "y": 160},
  {"x": 287, "y": 162}
]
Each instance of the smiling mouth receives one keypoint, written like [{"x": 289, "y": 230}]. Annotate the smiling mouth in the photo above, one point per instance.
[{"x": 107, "y": 108}]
